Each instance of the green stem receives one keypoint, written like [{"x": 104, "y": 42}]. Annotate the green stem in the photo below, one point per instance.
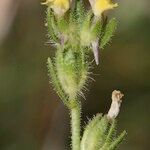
[{"x": 75, "y": 125}]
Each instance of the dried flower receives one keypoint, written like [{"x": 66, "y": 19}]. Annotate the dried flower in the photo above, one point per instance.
[{"x": 115, "y": 105}]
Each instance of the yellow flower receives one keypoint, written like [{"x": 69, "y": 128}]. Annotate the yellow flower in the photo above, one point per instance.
[
  {"x": 99, "y": 6},
  {"x": 59, "y": 6}
]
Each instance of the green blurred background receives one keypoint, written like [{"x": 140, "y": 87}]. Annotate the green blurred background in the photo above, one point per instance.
[{"x": 32, "y": 116}]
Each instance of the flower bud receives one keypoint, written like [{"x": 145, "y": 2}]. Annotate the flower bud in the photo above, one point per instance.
[
  {"x": 95, "y": 133},
  {"x": 101, "y": 134}
]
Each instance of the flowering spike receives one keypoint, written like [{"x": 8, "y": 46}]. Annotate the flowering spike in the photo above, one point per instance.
[{"x": 75, "y": 35}]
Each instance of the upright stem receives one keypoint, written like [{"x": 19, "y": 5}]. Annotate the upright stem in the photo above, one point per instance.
[{"x": 75, "y": 125}]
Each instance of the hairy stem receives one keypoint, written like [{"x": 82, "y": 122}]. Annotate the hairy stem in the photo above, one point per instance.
[{"x": 75, "y": 125}]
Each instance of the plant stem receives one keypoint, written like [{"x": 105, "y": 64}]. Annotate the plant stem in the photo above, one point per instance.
[{"x": 75, "y": 125}]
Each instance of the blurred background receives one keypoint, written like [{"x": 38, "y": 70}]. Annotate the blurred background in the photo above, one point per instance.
[{"x": 32, "y": 116}]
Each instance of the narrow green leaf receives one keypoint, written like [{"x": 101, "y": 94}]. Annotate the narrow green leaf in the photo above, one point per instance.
[
  {"x": 52, "y": 29},
  {"x": 108, "y": 32},
  {"x": 52, "y": 75}
]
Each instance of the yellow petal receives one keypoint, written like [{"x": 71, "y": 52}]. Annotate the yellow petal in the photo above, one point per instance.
[
  {"x": 59, "y": 6},
  {"x": 102, "y": 5},
  {"x": 64, "y": 4}
]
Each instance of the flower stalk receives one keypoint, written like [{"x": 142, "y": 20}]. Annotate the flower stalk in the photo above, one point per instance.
[{"x": 75, "y": 114}]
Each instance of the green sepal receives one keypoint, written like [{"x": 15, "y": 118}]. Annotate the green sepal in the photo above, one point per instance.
[
  {"x": 80, "y": 12},
  {"x": 96, "y": 29},
  {"x": 73, "y": 30},
  {"x": 62, "y": 24},
  {"x": 108, "y": 32},
  {"x": 117, "y": 141},
  {"x": 87, "y": 20},
  {"x": 84, "y": 68},
  {"x": 111, "y": 134},
  {"x": 85, "y": 32},
  {"x": 72, "y": 17}
]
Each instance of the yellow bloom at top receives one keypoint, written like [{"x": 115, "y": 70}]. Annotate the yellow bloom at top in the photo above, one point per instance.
[
  {"x": 58, "y": 6},
  {"x": 99, "y": 6}
]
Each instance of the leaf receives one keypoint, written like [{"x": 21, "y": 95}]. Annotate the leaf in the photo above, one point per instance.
[
  {"x": 51, "y": 24},
  {"x": 53, "y": 79}
]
